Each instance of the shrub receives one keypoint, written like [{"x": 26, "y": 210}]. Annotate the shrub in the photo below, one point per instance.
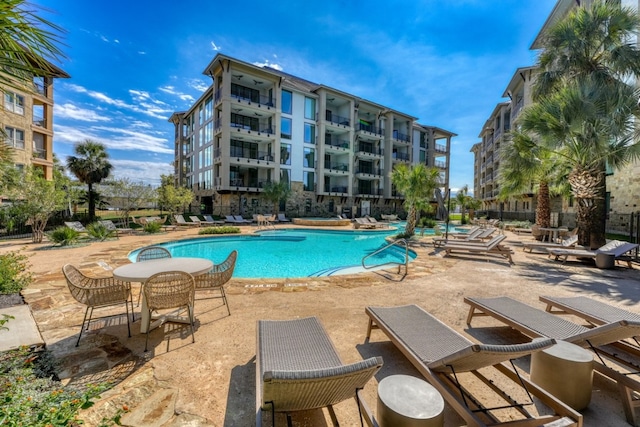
[
  {"x": 64, "y": 236},
  {"x": 14, "y": 275},
  {"x": 428, "y": 222},
  {"x": 31, "y": 396},
  {"x": 152, "y": 227},
  {"x": 219, "y": 230},
  {"x": 99, "y": 231}
]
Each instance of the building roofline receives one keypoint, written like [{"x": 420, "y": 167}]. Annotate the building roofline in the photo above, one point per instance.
[
  {"x": 559, "y": 11},
  {"x": 514, "y": 78}
]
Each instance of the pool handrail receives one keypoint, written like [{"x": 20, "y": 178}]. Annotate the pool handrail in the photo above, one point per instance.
[{"x": 398, "y": 242}]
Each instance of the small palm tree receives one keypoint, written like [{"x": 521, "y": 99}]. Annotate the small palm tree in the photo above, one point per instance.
[
  {"x": 90, "y": 165},
  {"x": 417, "y": 184},
  {"x": 275, "y": 192}
]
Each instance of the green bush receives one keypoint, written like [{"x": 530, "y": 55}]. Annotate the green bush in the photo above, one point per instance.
[
  {"x": 31, "y": 396},
  {"x": 14, "y": 275},
  {"x": 152, "y": 227},
  {"x": 219, "y": 230},
  {"x": 99, "y": 231},
  {"x": 64, "y": 236},
  {"x": 428, "y": 222}
]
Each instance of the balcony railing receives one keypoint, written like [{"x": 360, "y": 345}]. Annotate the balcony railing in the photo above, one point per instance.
[
  {"x": 369, "y": 170},
  {"x": 369, "y": 149},
  {"x": 245, "y": 153},
  {"x": 334, "y": 118},
  {"x": 258, "y": 99},
  {"x": 369, "y": 192},
  {"x": 401, "y": 136},
  {"x": 370, "y": 128},
  {"x": 239, "y": 182},
  {"x": 441, "y": 148},
  {"x": 335, "y": 142},
  {"x": 336, "y": 189},
  {"x": 401, "y": 156},
  {"x": 337, "y": 166},
  {"x": 39, "y": 121},
  {"x": 40, "y": 88},
  {"x": 440, "y": 164},
  {"x": 261, "y": 127}
]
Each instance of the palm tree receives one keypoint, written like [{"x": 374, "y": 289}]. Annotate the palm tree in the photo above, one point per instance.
[
  {"x": 584, "y": 106},
  {"x": 417, "y": 184},
  {"x": 90, "y": 165},
  {"x": 523, "y": 165},
  {"x": 462, "y": 196},
  {"x": 275, "y": 192},
  {"x": 27, "y": 42}
]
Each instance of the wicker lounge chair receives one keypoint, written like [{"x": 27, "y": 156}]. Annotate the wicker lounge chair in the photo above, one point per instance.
[
  {"x": 97, "y": 293},
  {"x": 219, "y": 275},
  {"x": 493, "y": 246},
  {"x": 298, "y": 368},
  {"x": 109, "y": 225},
  {"x": 615, "y": 358},
  {"x": 441, "y": 354},
  {"x": 616, "y": 247},
  {"x": 545, "y": 247},
  {"x": 179, "y": 220},
  {"x": 593, "y": 311}
]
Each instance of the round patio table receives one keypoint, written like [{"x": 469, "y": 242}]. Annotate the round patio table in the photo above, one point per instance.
[{"x": 141, "y": 271}]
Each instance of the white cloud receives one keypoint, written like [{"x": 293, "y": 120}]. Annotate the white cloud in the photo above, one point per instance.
[
  {"x": 198, "y": 85},
  {"x": 215, "y": 47},
  {"x": 145, "y": 172},
  {"x": 266, "y": 63},
  {"x": 72, "y": 135},
  {"x": 128, "y": 140},
  {"x": 171, "y": 90},
  {"x": 70, "y": 111}
]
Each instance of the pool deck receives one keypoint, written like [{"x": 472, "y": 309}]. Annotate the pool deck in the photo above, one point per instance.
[{"x": 212, "y": 382}]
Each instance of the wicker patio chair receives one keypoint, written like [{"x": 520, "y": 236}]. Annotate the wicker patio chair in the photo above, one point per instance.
[
  {"x": 97, "y": 293},
  {"x": 152, "y": 252},
  {"x": 614, "y": 356},
  {"x": 170, "y": 290},
  {"x": 298, "y": 368},
  {"x": 442, "y": 355},
  {"x": 219, "y": 275}
]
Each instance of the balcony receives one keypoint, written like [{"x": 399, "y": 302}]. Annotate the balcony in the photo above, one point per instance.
[
  {"x": 244, "y": 153},
  {"x": 398, "y": 136},
  {"x": 39, "y": 121},
  {"x": 441, "y": 148},
  {"x": 369, "y": 149},
  {"x": 336, "y": 166},
  {"x": 256, "y": 99},
  {"x": 362, "y": 127},
  {"x": 247, "y": 184},
  {"x": 39, "y": 153},
  {"x": 440, "y": 164},
  {"x": 340, "y": 144},
  {"x": 337, "y": 120},
  {"x": 401, "y": 157},
  {"x": 368, "y": 172},
  {"x": 363, "y": 191},
  {"x": 341, "y": 189}
]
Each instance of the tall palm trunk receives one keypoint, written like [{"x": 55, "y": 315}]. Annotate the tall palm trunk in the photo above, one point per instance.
[
  {"x": 410, "y": 228},
  {"x": 588, "y": 187},
  {"x": 92, "y": 202},
  {"x": 543, "y": 209}
]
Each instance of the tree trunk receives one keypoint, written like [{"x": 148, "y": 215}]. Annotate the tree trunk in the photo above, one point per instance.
[
  {"x": 588, "y": 186},
  {"x": 543, "y": 208},
  {"x": 92, "y": 203},
  {"x": 410, "y": 228}
]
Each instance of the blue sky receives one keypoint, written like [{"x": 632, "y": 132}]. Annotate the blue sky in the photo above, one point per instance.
[{"x": 133, "y": 63}]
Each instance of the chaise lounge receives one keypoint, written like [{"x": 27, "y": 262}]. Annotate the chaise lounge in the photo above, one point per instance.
[
  {"x": 442, "y": 356},
  {"x": 617, "y": 248},
  {"x": 615, "y": 358},
  {"x": 298, "y": 368},
  {"x": 493, "y": 246},
  {"x": 567, "y": 243}
]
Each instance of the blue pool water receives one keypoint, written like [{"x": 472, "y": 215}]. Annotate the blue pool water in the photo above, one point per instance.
[{"x": 292, "y": 252}]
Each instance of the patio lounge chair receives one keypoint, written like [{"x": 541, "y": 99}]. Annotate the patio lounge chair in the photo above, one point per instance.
[
  {"x": 441, "y": 354},
  {"x": 109, "y": 225},
  {"x": 362, "y": 223},
  {"x": 200, "y": 222},
  {"x": 375, "y": 222},
  {"x": 493, "y": 246},
  {"x": 240, "y": 220},
  {"x": 545, "y": 247},
  {"x": 76, "y": 225},
  {"x": 615, "y": 358},
  {"x": 298, "y": 368},
  {"x": 182, "y": 222},
  {"x": 283, "y": 218},
  {"x": 477, "y": 235},
  {"x": 210, "y": 219},
  {"x": 616, "y": 247},
  {"x": 593, "y": 311}
]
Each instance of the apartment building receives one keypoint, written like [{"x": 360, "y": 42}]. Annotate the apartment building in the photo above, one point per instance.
[
  {"x": 623, "y": 185},
  {"x": 27, "y": 119},
  {"x": 335, "y": 150}
]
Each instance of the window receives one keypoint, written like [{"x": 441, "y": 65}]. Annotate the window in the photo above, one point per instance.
[
  {"x": 309, "y": 181},
  {"x": 201, "y": 114},
  {"x": 309, "y": 133},
  {"x": 246, "y": 93},
  {"x": 423, "y": 157},
  {"x": 244, "y": 122},
  {"x": 208, "y": 108},
  {"x": 309, "y": 158},
  {"x": 15, "y": 137},
  {"x": 285, "y": 128},
  {"x": 284, "y": 177},
  {"x": 309, "y": 108},
  {"x": 286, "y": 101},
  {"x": 285, "y": 154},
  {"x": 14, "y": 103}
]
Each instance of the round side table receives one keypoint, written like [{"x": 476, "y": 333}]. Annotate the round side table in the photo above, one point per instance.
[
  {"x": 566, "y": 371},
  {"x": 406, "y": 401}
]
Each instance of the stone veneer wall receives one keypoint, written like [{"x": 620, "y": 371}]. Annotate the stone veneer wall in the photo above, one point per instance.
[{"x": 624, "y": 186}]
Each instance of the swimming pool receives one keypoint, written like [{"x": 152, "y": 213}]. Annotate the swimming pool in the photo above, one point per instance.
[{"x": 292, "y": 252}]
